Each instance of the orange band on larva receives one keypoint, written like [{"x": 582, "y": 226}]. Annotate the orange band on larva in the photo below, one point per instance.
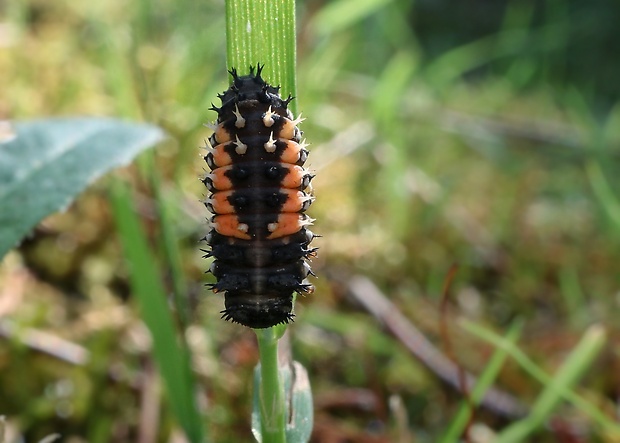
[
  {"x": 220, "y": 157},
  {"x": 296, "y": 201},
  {"x": 230, "y": 226},
  {"x": 295, "y": 177},
  {"x": 218, "y": 203},
  {"x": 287, "y": 224},
  {"x": 218, "y": 179},
  {"x": 221, "y": 134}
]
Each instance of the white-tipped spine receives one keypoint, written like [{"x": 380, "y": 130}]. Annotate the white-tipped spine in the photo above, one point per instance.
[
  {"x": 240, "y": 121},
  {"x": 211, "y": 125},
  {"x": 241, "y": 147},
  {"x": 208, "y": 146},
  {"x": 268, "y": 119},
  {"x": 298, "y": 120},
  {"x": 306, "y": 221},
  {"x": 303, "y": 144},
  {"x": 270, "y": 146}
]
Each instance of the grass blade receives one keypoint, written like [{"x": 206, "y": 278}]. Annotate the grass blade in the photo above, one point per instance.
[
  {"x": 543, "y": 378},
  {"x": 485, "y": 381},
  {"x": 567, "y": 376},
  {"x": 172, "y": 358},
  {"x": 170, "y": 246}
]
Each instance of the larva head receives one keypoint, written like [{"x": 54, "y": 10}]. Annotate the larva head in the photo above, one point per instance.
[{"x": 250, "y": 87}]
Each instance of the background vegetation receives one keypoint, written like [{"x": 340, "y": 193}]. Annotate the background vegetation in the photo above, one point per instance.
[{"x": 478, "y": 134}]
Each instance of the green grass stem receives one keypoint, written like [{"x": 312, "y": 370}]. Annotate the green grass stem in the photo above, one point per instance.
[
  {"x": 263, "y": 31},
  {"x": 271, "y": 394}
]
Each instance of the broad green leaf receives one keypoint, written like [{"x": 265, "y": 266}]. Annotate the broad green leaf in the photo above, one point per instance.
[{"x": 51, "y": 161}]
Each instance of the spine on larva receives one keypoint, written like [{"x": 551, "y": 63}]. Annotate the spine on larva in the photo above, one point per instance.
[{"x": 259, "y": 193}]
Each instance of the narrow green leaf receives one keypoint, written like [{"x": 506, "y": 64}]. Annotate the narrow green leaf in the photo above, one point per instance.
[
  {"x": 387, "y": 102},
  {"x": 263, "y": 31},
  {"x": 51, "y": 161},
  {"x": 172, "y": 359}
]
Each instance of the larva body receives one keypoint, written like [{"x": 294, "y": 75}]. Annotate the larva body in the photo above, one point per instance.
[{"x": 259, "y": 192}]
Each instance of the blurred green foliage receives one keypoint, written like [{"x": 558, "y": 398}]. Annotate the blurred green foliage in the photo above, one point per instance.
[{"x": 481, "y": 133}]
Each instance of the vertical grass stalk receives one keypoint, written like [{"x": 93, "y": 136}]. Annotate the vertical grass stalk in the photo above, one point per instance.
[
  {"x": 172, "y": 358},
  {"x": 271, "y": 400},
  {"x": 485, "y": 381},
  {"x": 263, "y": 31}
]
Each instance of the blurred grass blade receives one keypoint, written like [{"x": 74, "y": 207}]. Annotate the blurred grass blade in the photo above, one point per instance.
[
  {"x": 387, "y": 103},
  {"x": 485, "y": 381},
  {"x": 575, "y": 300},
  {"x": 577, "y": 363},
  {"x": 341, "y": 14},
  {"x": 603, "y": 191},
  {"x": 51, "y": 161},
  {"x": 452, "y": 64},
  {"x": 544, "y": 379},
  {"x": 173, "y": 360},
  {"x": 170, "y": 245}
]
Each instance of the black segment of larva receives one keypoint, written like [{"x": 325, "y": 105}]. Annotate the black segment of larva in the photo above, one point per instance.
[{"x": 259, "y": 192}]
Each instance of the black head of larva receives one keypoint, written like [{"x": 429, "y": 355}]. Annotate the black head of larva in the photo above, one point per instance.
[{"x": 250, "y": 87}]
